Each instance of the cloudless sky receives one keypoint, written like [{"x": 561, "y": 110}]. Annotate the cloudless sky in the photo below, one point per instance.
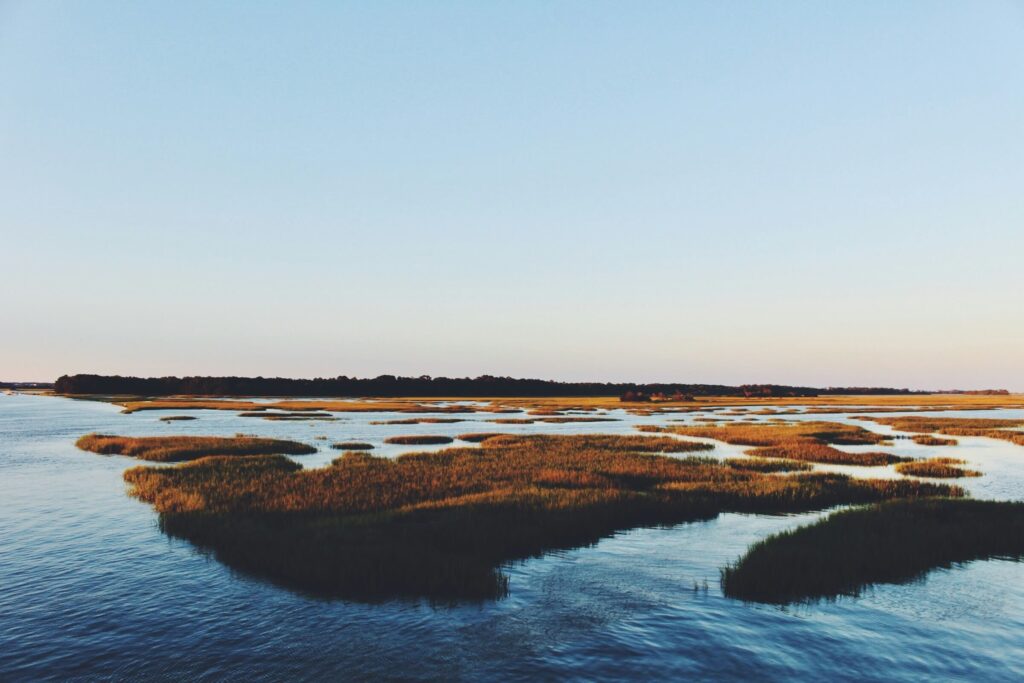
[{"x": 826, "y": 193}]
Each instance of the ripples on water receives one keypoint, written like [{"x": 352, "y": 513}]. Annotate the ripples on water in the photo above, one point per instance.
[{"x": 90, "y": 588}]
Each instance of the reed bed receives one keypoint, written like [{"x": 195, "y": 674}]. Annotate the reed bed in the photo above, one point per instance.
[
  {"x": 929, "y": 440},
  {"x": 477, "y": 437},
  {"x": 992, "y": 428},
  {"x": 182, "y": 448},
  {"x": 892, "y": 542},
  {"x": 352, "y": 446},
  {"x": 440, "y": 525},
  {"x": 419, "y": 439},
  {"x": 419, "y": 421},
  {"x": 769, "y": 465},
  {"x": 806, "y": 441},
  {"x": 936, "y": 468}
]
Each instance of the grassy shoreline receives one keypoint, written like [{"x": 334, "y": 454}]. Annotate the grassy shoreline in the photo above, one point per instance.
[
  {"x": 440, "y": 525},
  {"x": 892, "y": 542}
]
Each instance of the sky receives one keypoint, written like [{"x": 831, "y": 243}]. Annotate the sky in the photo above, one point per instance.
[{"x": 815, "y": 193}]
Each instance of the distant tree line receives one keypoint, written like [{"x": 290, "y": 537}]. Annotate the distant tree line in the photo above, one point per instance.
[{"x": 426, "y": 386}]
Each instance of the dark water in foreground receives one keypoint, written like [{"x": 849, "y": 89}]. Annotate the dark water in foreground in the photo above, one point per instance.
[{"x": 91, "y": 590}]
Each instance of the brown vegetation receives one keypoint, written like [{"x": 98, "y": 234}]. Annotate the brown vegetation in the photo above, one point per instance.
[
  {"x": 939, "y": 468},
  {"x": 478, "y": 436},
  {"x": 1007, "y": 430},
  {"x": 441, "y": 524},
  {"x": 807, "y": 441},
  {"x": 421, "y": 440},
  {"x": 419, "y": 420},
  {"x": 769, "y": 465},
  {"x": 180, "y": 448},
  {"x": 352, "y": 446},
  {"x": 929, "y": 440}
]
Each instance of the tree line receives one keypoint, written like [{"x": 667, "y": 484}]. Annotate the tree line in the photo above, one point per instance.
[{"x": 423, "y": 386}]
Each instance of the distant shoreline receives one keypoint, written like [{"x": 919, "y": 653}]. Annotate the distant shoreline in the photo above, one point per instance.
[{"x": 436, "y": 387}]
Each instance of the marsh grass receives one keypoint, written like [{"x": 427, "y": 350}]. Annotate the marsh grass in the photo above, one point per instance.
[
  {"x": 807, "y": 441},
  {"x": 352, "y": 446},
  {"x": 993, "y": 428},
  {"x": 419, "y": 439},
  {"x": 420, "y": 420},
  {"x": 440, "y": 525},
  {"x": 181, "y": 448},
  {"x": 893, "y": 542},
  {"x": 929, "y": 440},
  {"x": 477, "y": 437},
  {"x": 938, "y": 468},
  {"x": 769, "y": 465}
]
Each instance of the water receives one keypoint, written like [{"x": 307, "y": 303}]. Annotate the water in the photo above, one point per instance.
[{"x": 90, "y": 589}]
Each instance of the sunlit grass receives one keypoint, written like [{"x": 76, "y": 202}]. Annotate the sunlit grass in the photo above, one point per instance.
[
  {"x": 441, "y": 524},
  {"x": 1006, "y": 430},
  {"x": 179, "y": 448},
  {"x": 939, "y": 468},
  {"x": 769, "y": 464},
  {"x": 807, "y": 441}
]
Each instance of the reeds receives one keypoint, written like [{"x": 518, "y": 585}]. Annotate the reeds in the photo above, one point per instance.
[
  {"x": 768, "y": 465},
  {"x": 807, "y": 441},
  {"x": 440, "y": 525},
  {"x": 352, "y": 446},
  {"x": 477, "y": 437},
  {"x": 1006, "y": 430},
  {"x": 938, "y": 468},
  {"x": 419, "y": 439},
  {"x": 929, "y": 440},
  {"x": 419, "y": 420},
  {"x": 893, "y": 542},
  {"x": 181, "y": 448}
]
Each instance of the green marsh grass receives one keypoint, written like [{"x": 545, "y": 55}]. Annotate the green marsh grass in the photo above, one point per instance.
[{"x": 893, "y": 542}]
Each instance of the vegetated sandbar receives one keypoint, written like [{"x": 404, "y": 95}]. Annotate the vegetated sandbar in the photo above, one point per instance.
[
  {"x": 993, "y": 428},
  {"x": 440, "y": 525},
  {"x": 808, "y": 441},
  {"x": 180, "y": 448},
  {"x": 893, "y": 542}
]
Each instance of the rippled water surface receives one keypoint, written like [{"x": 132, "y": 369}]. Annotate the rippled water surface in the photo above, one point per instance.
[{"x": 91, "y": 589}]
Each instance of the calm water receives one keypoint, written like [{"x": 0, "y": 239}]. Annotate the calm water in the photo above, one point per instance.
[{"x": 91, "y": 590}]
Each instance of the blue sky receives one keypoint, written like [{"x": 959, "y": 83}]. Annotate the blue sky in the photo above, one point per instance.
[{"x": 803, "y": 192}]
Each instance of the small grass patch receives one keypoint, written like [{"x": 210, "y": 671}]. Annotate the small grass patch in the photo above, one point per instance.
[
  {"x": 769, "y": 465},
  {"x": 419, "y": 440},
  {"x": 1006, "y": 430},
  {"x": 420, "y": 420},
  {"x": 352, "y": 446},
  {"x": 938, "y": 468},
  {"x": 929, "y": 440},
  {"x": 807, "y": 441},
  {"x": 477, "y": 437},
  {"x": 893, "y": 542},
  {"x": 180, "y": 448}
]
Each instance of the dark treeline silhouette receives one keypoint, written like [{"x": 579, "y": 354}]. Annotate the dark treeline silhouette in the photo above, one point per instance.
[{"x": 423, "y": 386}]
